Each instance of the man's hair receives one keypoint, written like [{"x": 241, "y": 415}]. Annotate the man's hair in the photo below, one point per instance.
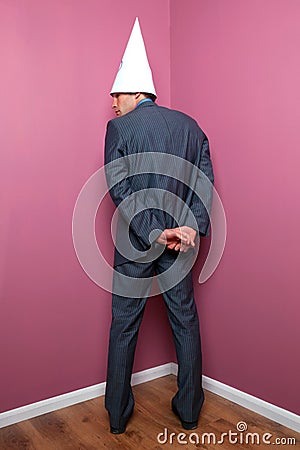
[
  {"x": 151, "y": 96},
  {"x": 146, "y": 94}
]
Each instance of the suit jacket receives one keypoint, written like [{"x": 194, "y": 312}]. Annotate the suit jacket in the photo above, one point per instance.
[{"x": 172, "y": 147}]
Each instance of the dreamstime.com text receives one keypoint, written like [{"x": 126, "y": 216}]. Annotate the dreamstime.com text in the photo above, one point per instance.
[{"x": 239, "y": 436}]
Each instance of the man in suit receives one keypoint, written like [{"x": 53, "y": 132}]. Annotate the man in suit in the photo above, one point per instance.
[{"x": 154, "y": 158}]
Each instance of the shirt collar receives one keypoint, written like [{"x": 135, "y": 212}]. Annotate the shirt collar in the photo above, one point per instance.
[{"x": 143, "y": 101}]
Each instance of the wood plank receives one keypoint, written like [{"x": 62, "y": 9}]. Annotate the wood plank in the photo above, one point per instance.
[{"x": 85, "y": 426}]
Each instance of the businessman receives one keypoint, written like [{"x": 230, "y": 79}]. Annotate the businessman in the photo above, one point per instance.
[{"x": 161, "y": 219}]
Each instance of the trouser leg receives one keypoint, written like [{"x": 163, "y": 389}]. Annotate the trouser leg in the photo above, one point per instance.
[
  {"x": 183, "y": 317},
  {"x": 127, "y": 315}
]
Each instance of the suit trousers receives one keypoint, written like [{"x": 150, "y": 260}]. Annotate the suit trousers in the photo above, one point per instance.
[{"x": 127, "y": 314}]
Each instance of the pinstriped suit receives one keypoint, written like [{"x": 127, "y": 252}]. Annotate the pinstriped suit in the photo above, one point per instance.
[{"x": 150, "y": 129}]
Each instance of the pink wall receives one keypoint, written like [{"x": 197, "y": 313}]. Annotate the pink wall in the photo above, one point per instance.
[
  {"x": 58, "y": 62},
  {"x": 235, "y": 68}
]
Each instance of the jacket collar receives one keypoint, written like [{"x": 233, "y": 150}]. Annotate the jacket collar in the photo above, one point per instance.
[{"x": 143, "y": 104}]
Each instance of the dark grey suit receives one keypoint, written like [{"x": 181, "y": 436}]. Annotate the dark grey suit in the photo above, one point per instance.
[{"x": 146, "y": 131}]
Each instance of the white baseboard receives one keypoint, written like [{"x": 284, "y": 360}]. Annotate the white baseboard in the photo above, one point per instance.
[
  {"x": 250, "y": 402},
  {"x": 152, "y": 374},
  {"x": 50, "y": 404},
  {"x": 273, "y": 412},
  {"x": 71, "y": 398},
  {"x": 279, "y": 415}
]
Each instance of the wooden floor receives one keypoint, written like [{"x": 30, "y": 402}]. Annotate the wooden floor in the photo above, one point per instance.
[{"x": 85, "y": 426}]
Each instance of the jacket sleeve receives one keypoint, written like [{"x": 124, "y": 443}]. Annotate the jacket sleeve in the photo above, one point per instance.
[
  {"x": 202, "y": 199},
  {"x": 120, "y": 188}
]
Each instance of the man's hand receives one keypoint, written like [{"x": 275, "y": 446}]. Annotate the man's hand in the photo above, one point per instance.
[
  {"x": 185, "y": 245},
  {"x": 178, "y": 239},
  {"x": 170, "y": 236}
]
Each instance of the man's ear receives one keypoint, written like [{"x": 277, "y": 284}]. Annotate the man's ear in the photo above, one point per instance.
[{"x": 137, "y": 94}]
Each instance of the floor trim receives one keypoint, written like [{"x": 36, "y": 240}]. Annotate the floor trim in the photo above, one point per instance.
[
  {"x": 255, "y": 404},
  {"x": 71, "y": 398},
  {"x": 273, "y": 412}
]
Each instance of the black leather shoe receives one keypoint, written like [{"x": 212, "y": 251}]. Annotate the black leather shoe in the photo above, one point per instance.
[
  {"x": 114, "y": 430},
  {"x": 185, "y": 425}
]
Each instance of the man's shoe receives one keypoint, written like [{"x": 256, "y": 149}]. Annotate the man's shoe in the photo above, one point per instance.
[
  {"x": 120, "y": 430},
  {"x": 185, "y": 425}
]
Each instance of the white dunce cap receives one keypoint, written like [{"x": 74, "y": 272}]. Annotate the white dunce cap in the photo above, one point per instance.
[{"x": 134, "y": 73}]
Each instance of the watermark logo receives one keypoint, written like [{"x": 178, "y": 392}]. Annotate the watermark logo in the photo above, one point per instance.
[
  {"x": 92, "y": 195},
  {"x": 238, "y": 437},
  {"x": 241, "y": 426}
]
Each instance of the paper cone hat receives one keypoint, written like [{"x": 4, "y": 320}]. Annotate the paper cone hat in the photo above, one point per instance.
[{"x": 134, "y": 73}]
